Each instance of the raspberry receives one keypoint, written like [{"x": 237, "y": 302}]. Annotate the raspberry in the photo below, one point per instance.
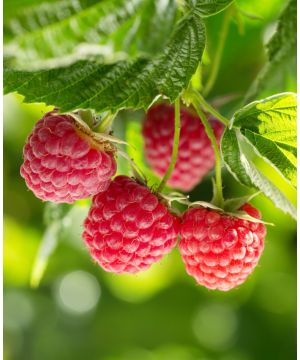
[
  {"x": 63, "y": 162},
  {"x": 220, "y": 251},
  {"x": 195, "y": 154},
  {"x": 128, "y": 228}
]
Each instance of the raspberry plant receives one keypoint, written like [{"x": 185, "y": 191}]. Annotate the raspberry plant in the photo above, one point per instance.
[{"x": 102, "y": 59}]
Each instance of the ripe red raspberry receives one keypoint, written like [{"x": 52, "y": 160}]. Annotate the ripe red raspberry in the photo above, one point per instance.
[
  {"x": 220, "y": 251},
  {"x": 128, "y": 228},
  {"x": 63, "y": 162},
  {"x": 195, "y": 154}
]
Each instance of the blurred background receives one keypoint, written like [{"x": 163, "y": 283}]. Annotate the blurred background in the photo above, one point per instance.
[{"x": 80, "y": 312}]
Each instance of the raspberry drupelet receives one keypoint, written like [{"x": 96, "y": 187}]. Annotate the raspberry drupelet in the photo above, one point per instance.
[
  {"x": 128, "y": 228},
  {"x": 220, "y": 251},
  {"x": 64, "y": 162}
]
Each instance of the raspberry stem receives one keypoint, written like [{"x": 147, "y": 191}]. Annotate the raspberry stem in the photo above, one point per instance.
[
  {"x": 87, "y": 116},
  {"x": 209, "y": 108},
  {"x": 106, "y": 123},
  {"x": 46, "y": 249},
  {"x": 218, "y": 55},
  {"x": 175, "y": 146},
  {"x": 218, "y": 196}
]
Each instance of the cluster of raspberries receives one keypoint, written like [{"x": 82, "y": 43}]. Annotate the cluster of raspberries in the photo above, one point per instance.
[{"x": 129, "y": 227}]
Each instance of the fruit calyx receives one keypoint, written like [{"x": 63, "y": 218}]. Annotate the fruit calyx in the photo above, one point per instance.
[
  {"x": 84, "y": 119},
  {"x": 231, "y": 211},
  {"x": 164, "y": 199}
]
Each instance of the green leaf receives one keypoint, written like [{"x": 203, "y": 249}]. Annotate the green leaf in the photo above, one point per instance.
[
  {"x": 283, "y": 160},
  {"x": 65, "y": 31},
  {"x": 270, "y": 126},
  {"x": 284, "y": 40},
  {"x": 209, "y": 7},
  {"x": 262, "y": 183},
  {"x": 25, "y": 16},
  {"x": 235, "y": 203},
  {"x": 53, "y": 31},
  {"x": 231, "y": 153},
  {"x": 131, "y": 84},
  {"x": 14, "y": 10},
  {"x": 154, "y": 17},
  {"x": 281, "y": 49},
  {"x": 247, "y": 173}
]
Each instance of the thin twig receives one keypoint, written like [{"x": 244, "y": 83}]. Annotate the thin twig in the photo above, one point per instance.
[
  {"x": 218, "y": 55},
  {"x": 218, "y": 166},
  {"x": 175, "y": 146}
]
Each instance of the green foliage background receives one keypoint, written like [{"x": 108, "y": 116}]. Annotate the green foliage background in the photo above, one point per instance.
[{"x": 81, "y": 312}]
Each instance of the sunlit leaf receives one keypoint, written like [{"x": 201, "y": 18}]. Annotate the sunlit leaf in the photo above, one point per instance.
[
  {"x": 270, "y": 126},
  {"x": 248, "y": 174}
]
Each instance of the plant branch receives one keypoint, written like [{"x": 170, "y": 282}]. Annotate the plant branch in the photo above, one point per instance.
[
  {"x": 106, "y": 123},
  {"x": 175, "y": 146},
  {"x": 218, "y": 55},
  {"x": 209, "y": 108},
  {"x": 218, "y": 196}
]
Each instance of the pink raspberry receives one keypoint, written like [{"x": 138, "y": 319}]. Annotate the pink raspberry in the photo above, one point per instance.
[
  {"x": 220, "y": 251},
  {"x": 128, "y": 228},
  {"x": 195, "y": 154},
  {"x": 64, "y": 162}
]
